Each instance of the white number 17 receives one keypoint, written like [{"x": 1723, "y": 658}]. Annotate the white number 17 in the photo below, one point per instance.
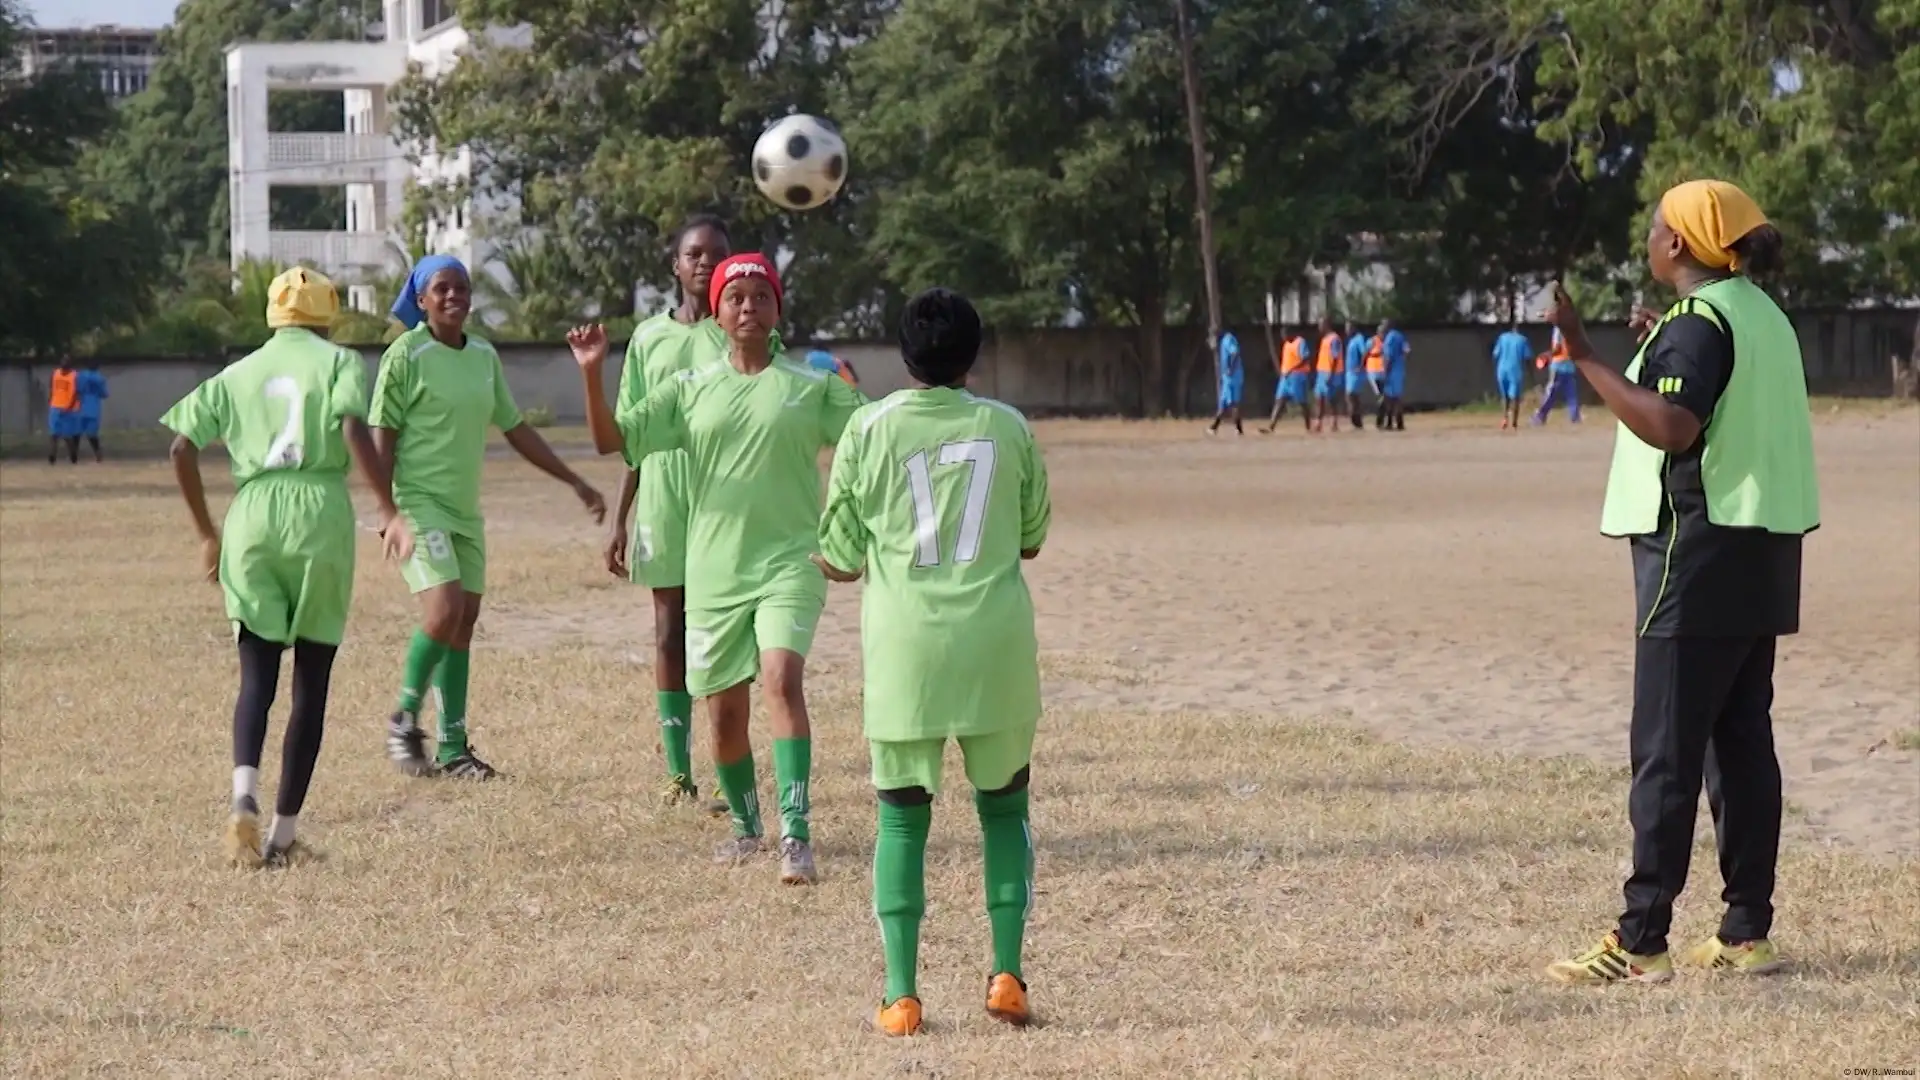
[{"x": 978, "y": 454}]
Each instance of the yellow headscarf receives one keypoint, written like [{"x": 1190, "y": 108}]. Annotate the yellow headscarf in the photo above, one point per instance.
[
  {"x": 1711, "y": 216},
  {"x": 302, "y": 297}
]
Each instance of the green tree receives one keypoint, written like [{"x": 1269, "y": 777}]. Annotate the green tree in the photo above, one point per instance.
[
  {"x": 1034, "y": 155},
  {"x": 620, "y": 118},
  {"x": 1810, "y": 107},
  {"x": 74, "y": 260},
  {"x": 170, "y": 154}
]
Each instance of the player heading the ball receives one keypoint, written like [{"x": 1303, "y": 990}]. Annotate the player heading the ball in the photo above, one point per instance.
[
  {"x": 937, "y": 495},
  {"x": 753, "y": 424}
]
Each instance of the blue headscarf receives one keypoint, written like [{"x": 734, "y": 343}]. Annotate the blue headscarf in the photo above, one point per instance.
[{"x": 407, "y": 307}]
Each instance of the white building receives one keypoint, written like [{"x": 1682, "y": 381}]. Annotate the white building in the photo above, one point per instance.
[
  {"x": 366, "y": 159},
  {"x": 120, "y": 57}
]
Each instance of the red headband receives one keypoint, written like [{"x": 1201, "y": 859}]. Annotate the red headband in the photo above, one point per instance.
[{"x": 745, "y": 264}]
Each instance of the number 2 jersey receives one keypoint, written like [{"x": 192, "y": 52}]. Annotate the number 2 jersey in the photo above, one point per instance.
[
  {"x": 279, "y": 409},
  {"x": 935, "y": 493}
]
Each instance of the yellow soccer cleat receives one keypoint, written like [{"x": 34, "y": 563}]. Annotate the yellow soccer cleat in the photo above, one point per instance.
[
  {"x": 677, "y": 790},
  {"x": 1007, "y": 1000},
  {"x": 1607, "y": 962},
  {"x": 900, "y": 1018},
  {"x": 242, "y": 841},
  {"x": 1747, "y": 958}
]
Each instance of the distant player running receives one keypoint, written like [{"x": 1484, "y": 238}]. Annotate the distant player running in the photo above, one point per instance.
[
  {"x": 1356, "y": 362},
  {"x": 1510, "y": 351},
  {"x": 937, "y": 496},
  {"x": 1233, "y": 383},
  {"x": 656, "y": 496},
  {"x": 289, "y": 414},
  {"x": 753, "y": 424},
  {"x": 439, "y": 390},
  {"x": 1328, "y": 377},
  {"x": 1563, "y": 382},
  {"x": 822, "y": 360},
  {"x": 1293, "y": 364}
]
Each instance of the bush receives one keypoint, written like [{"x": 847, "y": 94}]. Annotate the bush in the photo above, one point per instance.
[{"x": 539, "y": 416}]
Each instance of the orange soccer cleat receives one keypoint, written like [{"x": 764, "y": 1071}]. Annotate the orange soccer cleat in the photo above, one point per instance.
[
  {"x": 1007, "y": 1000},
  {"x": 900, "y": 1018}
]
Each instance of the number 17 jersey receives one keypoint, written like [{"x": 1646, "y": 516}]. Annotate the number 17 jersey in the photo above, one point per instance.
[{"x": 935, "y": 493}]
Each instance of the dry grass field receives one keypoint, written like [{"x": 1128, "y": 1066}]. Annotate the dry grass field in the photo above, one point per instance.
[{"x": 1334, "y": 762}]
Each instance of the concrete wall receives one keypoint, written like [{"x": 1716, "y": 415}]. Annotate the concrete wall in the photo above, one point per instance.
[{"x": 1082, "y": 371}]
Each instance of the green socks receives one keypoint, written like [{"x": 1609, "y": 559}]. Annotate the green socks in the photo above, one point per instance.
[
  {"x": 900, "y": 892},
  {"x": 1007, "y": 843},
  {"x": 453, "y": 705},
  {"x": 423, "y": 656},
  {"x": 743, "y": 802},
  {"x": 792, "y": 768},
  {"x": 676, "y": 731}
]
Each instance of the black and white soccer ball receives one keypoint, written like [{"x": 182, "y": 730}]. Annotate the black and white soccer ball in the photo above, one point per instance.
[{"x": 800, "y": 162}]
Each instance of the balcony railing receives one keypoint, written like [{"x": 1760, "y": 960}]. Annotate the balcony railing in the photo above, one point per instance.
[
  {"x": 309, "y": 149},
  {"x": 333, "y": 252}
]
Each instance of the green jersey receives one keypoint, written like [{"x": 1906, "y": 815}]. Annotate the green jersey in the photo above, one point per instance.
[
  {"x": 280, "y": 408},
  {"x": 935, "y": 493},
  {"x": 753, "y": 447},
  {"x": 441, "y": 401}
]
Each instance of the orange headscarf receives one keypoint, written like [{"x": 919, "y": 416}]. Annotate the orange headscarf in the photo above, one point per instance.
[{"x": 1711, "y": 216}]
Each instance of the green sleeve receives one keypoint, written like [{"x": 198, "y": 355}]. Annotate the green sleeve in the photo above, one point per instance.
[
  {"x": 392, "y": 388},
  {"x": 844, "y": 539},
  {"x": 202, "y": 415},
  {"x": 348, "y": 396},
  {"x": 1036, "y": 502},
  {"x": 654, "y": 423},
  {"x": 840, "y": 403},
  {"x": 506, "y": 415},
  {"x": 633, "y": 375}
]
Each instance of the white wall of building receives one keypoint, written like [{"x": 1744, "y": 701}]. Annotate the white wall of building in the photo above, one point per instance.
[{"x": 367, "y": 160}]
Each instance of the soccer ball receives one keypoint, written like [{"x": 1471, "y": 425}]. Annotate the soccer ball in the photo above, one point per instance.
[{"x": 800, "y": 162}]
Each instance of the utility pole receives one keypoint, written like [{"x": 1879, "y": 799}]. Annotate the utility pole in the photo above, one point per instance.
[{"x": 1197, "y": 134}]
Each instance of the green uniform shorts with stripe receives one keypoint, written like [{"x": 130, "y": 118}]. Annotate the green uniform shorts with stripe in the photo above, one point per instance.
[
  {"x": 657, "y": 547},
  {"x": 441, "y": 556},
  {"x": 287, "y": 557},
  {"x": 992, "y": 760},
  {"x": 724, "y": 647}
]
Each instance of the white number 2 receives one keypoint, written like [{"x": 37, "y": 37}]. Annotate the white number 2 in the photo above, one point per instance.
[
  {"x": 978, "y": 454},
  {"x": 286, "y": 451}
]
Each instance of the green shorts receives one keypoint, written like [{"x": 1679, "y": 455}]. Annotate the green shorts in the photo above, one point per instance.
[
  {"x": 440, "y": 556},
  {"x": 724, "y": 647},
  {"x": 657, "y": 548},
  {"x": 287, "y": 556},
  {"x": 992, "y": 760}
]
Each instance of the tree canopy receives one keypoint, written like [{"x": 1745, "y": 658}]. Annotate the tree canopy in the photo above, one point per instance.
[{"x": 1436, "y": 159}]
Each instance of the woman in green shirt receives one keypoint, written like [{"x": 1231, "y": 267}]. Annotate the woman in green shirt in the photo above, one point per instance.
[
  {"x": 439, "y": 390},
  {"x": 1713, "y": 487}
]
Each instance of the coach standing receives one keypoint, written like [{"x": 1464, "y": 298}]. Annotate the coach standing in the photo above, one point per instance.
[{"x": 1713, "y": 486}]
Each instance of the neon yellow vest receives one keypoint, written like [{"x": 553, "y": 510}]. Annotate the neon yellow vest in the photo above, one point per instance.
[{"x": 1757, "y": 465}]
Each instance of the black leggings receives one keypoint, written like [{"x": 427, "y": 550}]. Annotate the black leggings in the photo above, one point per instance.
[{"x": 259, "y": 681}]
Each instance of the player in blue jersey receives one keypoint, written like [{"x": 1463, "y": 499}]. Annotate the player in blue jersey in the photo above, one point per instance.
[
  {"x": 1392, "y": 415},
  {"x": 1356, "y": 372},
  {"x": 93, "y": 390},
  {"x": 1233, "y": 383},
  {"x": 1510, "y": 352},
  {"x": 822, "y": 360}
]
